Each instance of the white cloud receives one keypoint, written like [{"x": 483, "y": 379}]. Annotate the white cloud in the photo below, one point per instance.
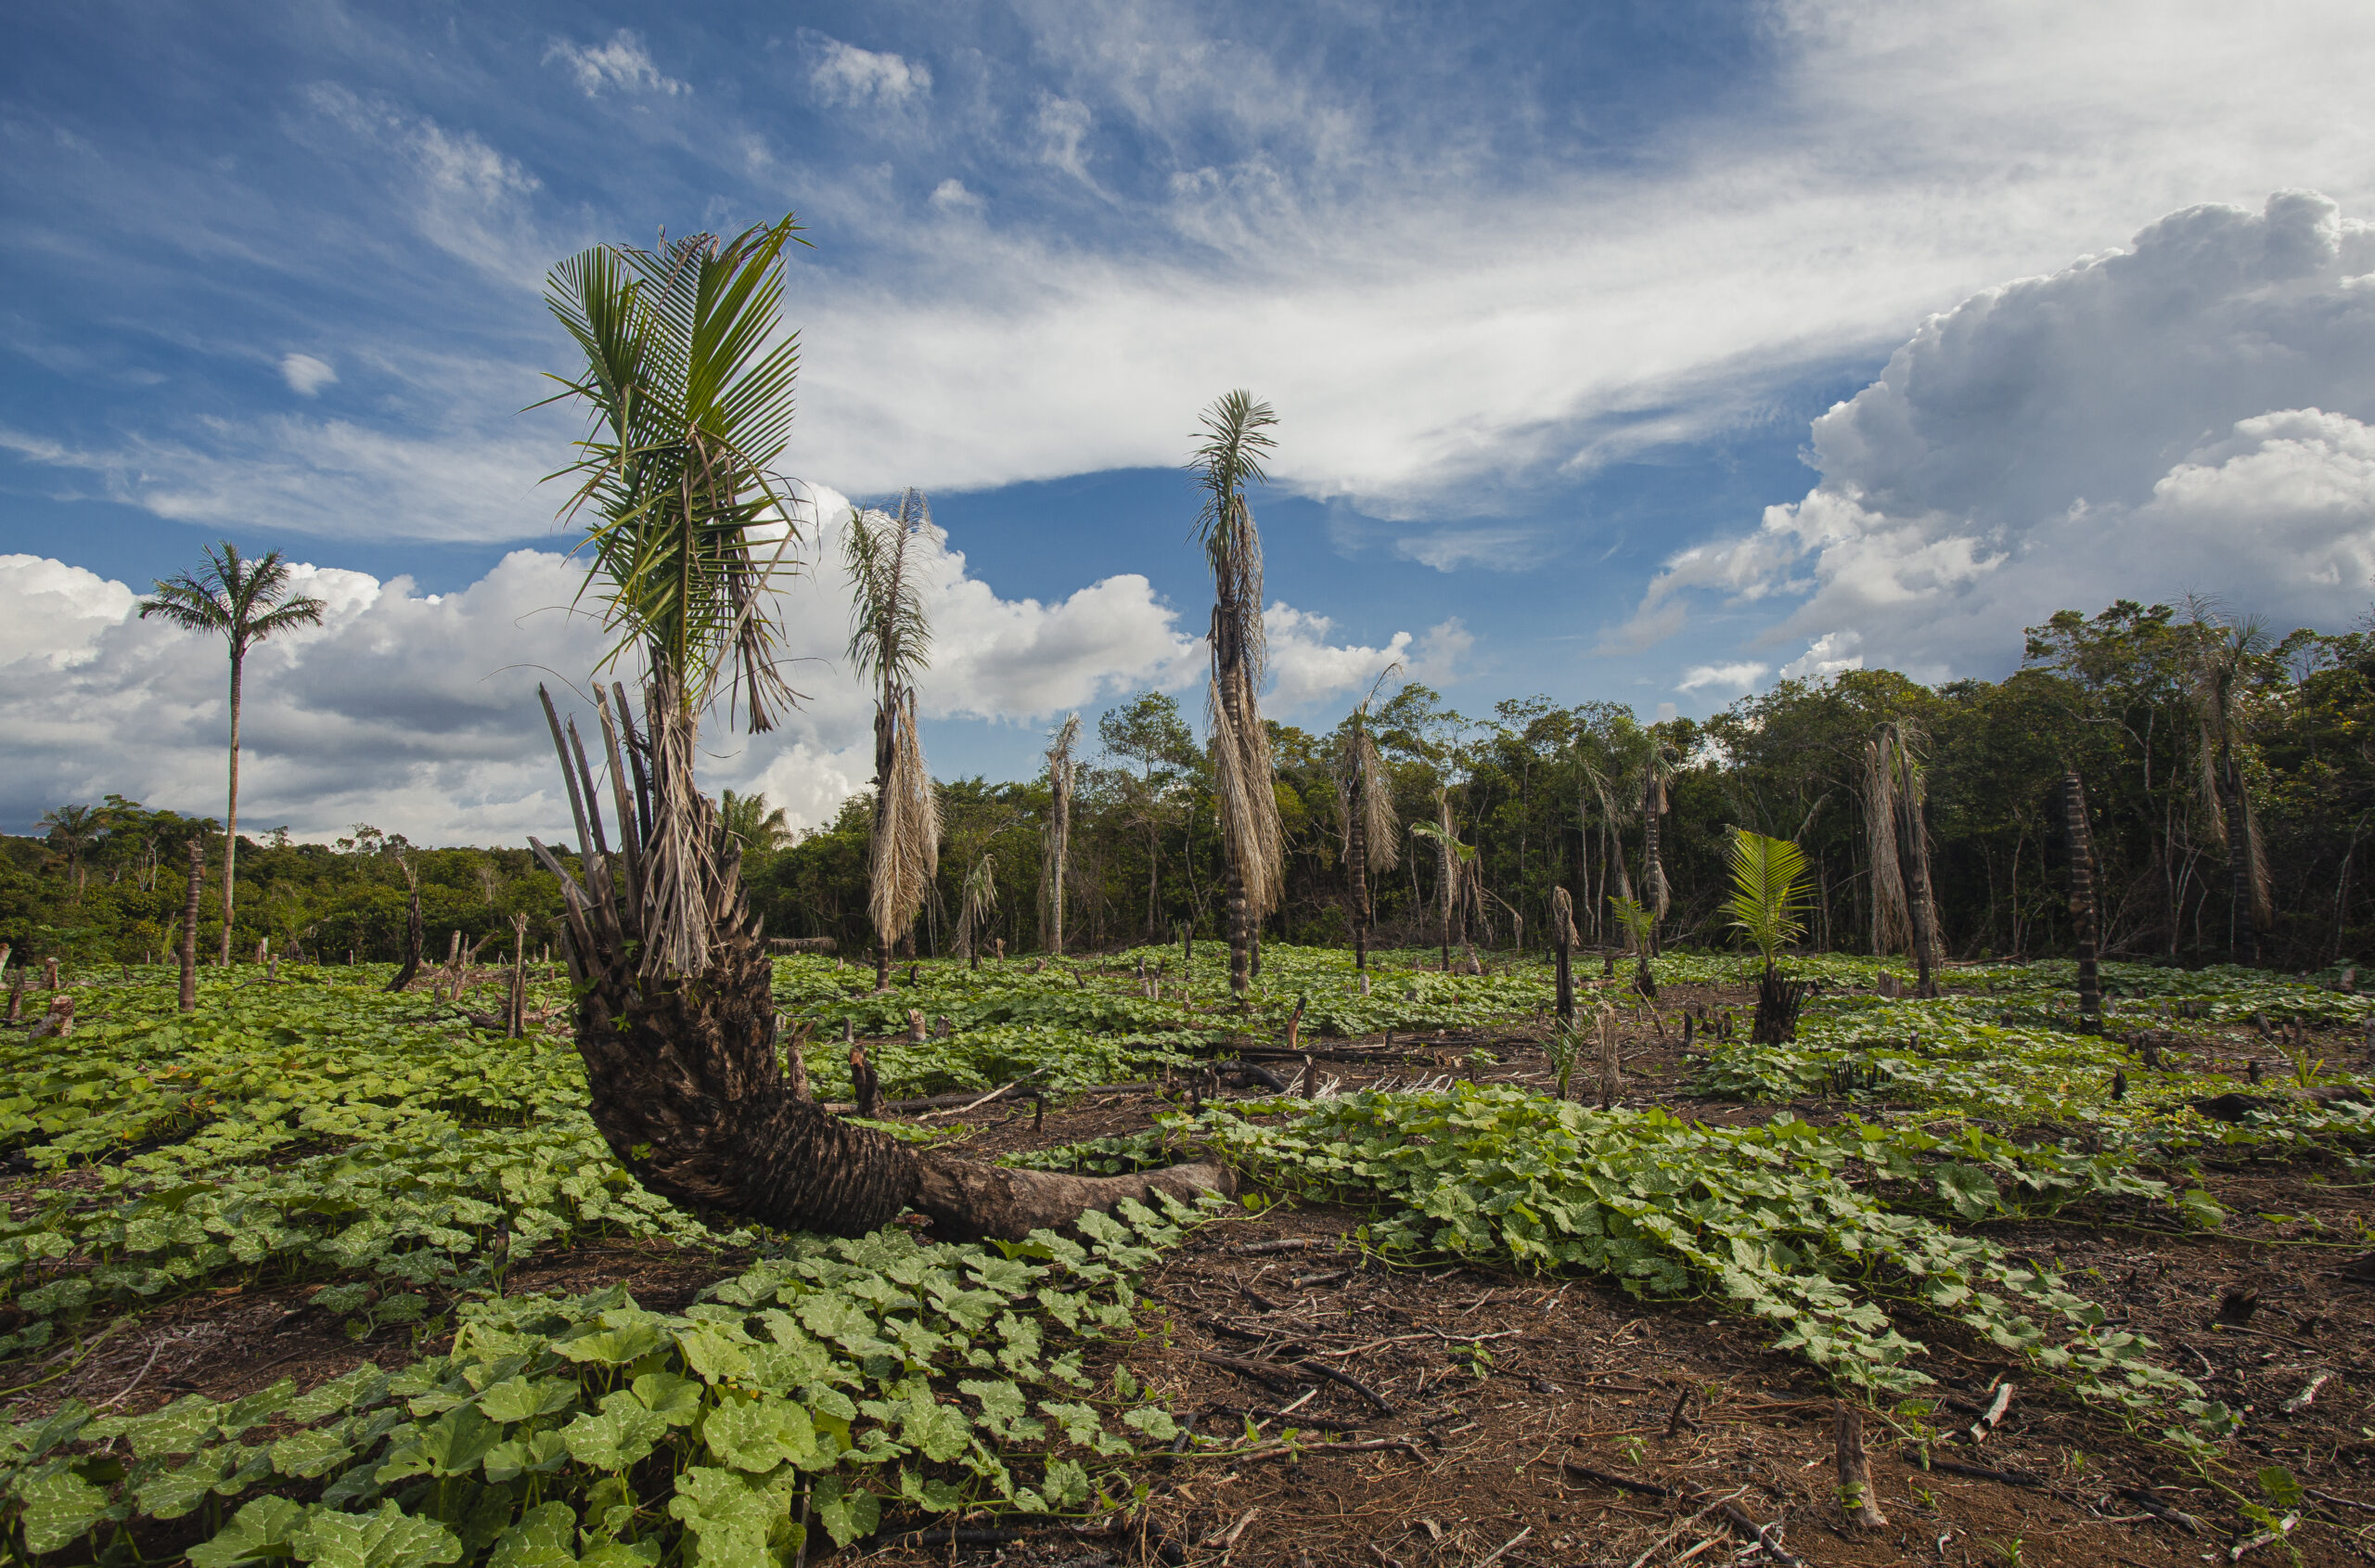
[
  {"x": 1828, "y": 655},
  {"x": 950, "y": 196},
  {"x": 2189, "y": 414},
  {"x": 417, "y": 712},
  {"x": 1062, "y": 126},
  {"x": 848, "y": 75},
  {"x": 1738, "y": 676},
  {"x": 1556, "y": 317},
  {"x": 306, "y": 375},
  {"x": 623, "y": 63}
]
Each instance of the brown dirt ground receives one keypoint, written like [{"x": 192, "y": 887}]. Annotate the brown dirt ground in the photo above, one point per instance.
[{"x": 1577, "y": 1374}]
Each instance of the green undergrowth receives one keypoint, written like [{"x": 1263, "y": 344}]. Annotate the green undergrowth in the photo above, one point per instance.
[
  {"x": 1954, "y": 1057},
  {"x": 829, "y": 1388},
  {"x": 322, "y": 1129},
  {"x": 1840, "y": 1238}
]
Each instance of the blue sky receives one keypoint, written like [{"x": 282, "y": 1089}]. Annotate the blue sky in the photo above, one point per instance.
[{"x": 1550, "y": 299}]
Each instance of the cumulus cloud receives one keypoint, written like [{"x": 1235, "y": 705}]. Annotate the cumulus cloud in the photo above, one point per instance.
[
  {"x": 844, "y": 73},
  {"x": 1828, "y": 655},
  {"x": 2185, "y": 414},
  {"x": 417, "y": 712},
  {"x": 1737, "y": 677},
  {"x": 623, "y": 63},
  {"x": 306, "y": 375}
]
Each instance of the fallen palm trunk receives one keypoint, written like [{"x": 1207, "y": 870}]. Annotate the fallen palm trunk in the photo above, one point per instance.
[{"x": 681, "y": 1068}]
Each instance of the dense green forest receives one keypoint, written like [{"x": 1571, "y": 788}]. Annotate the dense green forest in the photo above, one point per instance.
[{"x": 2205, "y": 747}]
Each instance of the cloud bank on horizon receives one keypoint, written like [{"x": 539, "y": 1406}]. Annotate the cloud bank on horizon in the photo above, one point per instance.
[{"x": 416, "y": 712}]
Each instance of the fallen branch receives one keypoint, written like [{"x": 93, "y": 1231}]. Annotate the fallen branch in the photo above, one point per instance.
[{"x": 1977, "y": 1472}]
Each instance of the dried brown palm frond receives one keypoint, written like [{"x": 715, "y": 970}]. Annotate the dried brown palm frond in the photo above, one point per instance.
[
  {"x": 1056, "y": 844},
  {"x": 1657, "y": 774},
  {"x": 1365, "y": 797},
  {"x": 906, "y": 856},
  {"x": 980, "y": 903},
  {"x": 2224, "y": 651},
  {"x": 1250, "y": 832},
  {"x": 890, "y": 643}
]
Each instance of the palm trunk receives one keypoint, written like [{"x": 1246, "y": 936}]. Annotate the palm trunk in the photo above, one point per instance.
[
  {"x": 2082, "y": 902},
  {"x": 415, "y": 935},
  {"x": 189, "y": 923},
  {"x": 1357, "y": 871},
  {"x": 885, "y": 740},
  {"x": 1923, "y": 910},
  {"x": 2245, "y": 940},
  {"x": 682, "y": 1075},
  {"x": 231, "y": 829},
  {"x": 1653, "y": 871}
]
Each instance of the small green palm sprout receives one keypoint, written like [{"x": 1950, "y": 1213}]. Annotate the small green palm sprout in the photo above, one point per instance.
[
  {"x": 1769, "y": 899},
  {"x": 1770, "y": 894}
]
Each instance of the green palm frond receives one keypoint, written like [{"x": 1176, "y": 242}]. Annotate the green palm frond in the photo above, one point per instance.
[
  {"x": 1770, "y": 893},
  {"x": 688, "y": 385}
]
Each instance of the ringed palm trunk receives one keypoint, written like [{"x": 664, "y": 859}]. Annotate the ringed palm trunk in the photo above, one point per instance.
[
  {"x": 189, "y": 924},
  {"x": 885, "y": 738},
  {"x": 2082, "y": 901},
  {"x": 1653, "y": 870},
  {"x": 1240, "y": 927},
  {"x": 1356, "y": 869},
  {"x": 231, "y": 828},
  {"x": 681, "y": 1069}
]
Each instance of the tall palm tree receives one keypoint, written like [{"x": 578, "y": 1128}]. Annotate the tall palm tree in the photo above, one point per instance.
[
  {"x": 1364, "y": 810},
  {"x": 1896, "y": 797},
  {"x": 687, "y": 378},
  {"x": 2224, "y": 651},
  {"x": 1056, "y": 844},
  {"x": 244, "y": 603},
  {"x": 891, "y": 644},
  {"x": 1229, "y": 459}
]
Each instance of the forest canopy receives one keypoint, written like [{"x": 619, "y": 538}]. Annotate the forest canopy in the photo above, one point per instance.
[{"x": 2193, "y": 734}]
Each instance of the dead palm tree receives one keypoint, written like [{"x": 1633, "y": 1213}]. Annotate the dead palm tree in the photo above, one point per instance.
[
  {"x": 2224, "y": 651},
  {"x": 688, "y": 381},
  {"x": 1365, "y": 812},
  {"x": 1252, "y": 841},
  {"x": 244, "y": 603},
  {"x": 1905, "y": 913},
  {"x": 1459, "y": 882},
  {"x": 891, "y": 644},
  {"x": 980, "y": 903},
  {"x": 1056, "y": 844},
  {"x": 1657, "y": 780}
]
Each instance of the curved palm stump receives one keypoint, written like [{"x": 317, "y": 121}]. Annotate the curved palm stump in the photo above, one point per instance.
[{"x": 683, "y": 1071}]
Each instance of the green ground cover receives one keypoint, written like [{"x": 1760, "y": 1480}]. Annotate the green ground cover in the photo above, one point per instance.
[{"x": 319, "y": 1131}]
